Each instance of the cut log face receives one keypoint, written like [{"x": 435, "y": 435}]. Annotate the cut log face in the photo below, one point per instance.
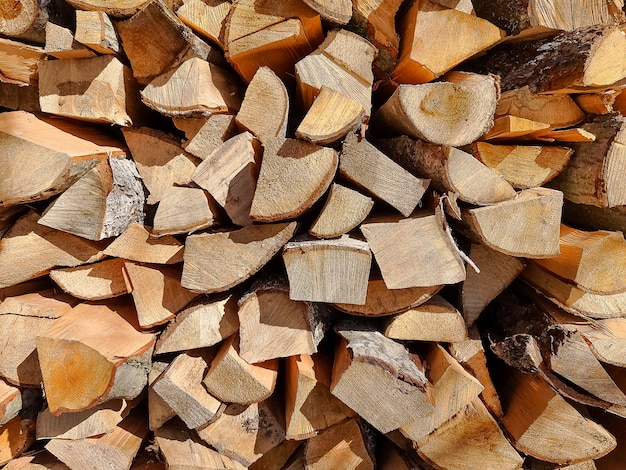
[
  {"x": 205, "y": 19},
  {"x": 414, "y": 252},
  {"x": 607, "y": 339},
  {"x": 39, "y": 461},
  {"x": 10, "y": 402},
  {"x": 184, "y": 210},
  {"x": 136, "y": 244},
  {"x": 293, "y": 175},
  {"x": 277, "y": 457},
  {"x": 15, "y": 437},
  {"x": 93, "y": 354},
  {"x": 60, "y": 43},
  {"x": 96, "y": 281},
  {"x": 206, "y": 134},
  {"x": 117, "y": 8},
  {"x": 95, "y": 30},
  {"x": 335, "y": 11},
  {"x": 17, "y": 18},
  {"x": 159, "y": 412},
  {"x": 440, "y": 112},
  {"x": 380, "y": 380},
  {"x": 217, "y": 262},
  {"x": 334, "y": 270},
  {"x": 19, "y": 62}
]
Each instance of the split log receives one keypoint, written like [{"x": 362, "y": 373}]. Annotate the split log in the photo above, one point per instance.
[
  {"x": 343, "y": 211},
  {"x": 334, "y": 11},
  {"x": 183, "y": 210},
  {"x": 157, "y": 293},
  {"x": 17, "y": 17},
  {"x": 201, "y": 325},
  {"x": 255, "y": 382},
  {"x": 364, "y": 165},
  {"x": 277, "y": 457},
  {"x": 159, "y": 412},
  {"x": 60, "y": 43},
  {"x": 205, "y": 19},
  {"x": 136, "y": 244},
  {"x": 440, "y": 112},
  {"x": 273, "y": 326},
  {"x": 597, "y": 103},
  {"x": 19, "y": 62},
  {"x": 607, "y": 339},
  {"x": 101, "y": 204},
  {"x": 527, "y": 226},
  {"x": 524, "y": 166},
  {"x": 97, "y": 281},
  {"x": 423, "y": 255},
  {"x": 15, "y": 437},
  {"x": 217, "y": 262},
  {"x": 293, "y": 175},
  {"x": 455, "y": 36},
  {"x": 10, "y": 402},
  {"x": 378, "y": 378},
  {"x": 450, "y": 170},
  {"x": 95, "y": 30},
  {"x": 333, "y": 270},
  {"x": 208, "y": 134},
  {"x": 116, "y": 8},
  {"x": 91, "y": 355},
  {"x": 244, "y": 433},
  {"x": 514, "y": 128},
  {"x": 39, "y": 461}
]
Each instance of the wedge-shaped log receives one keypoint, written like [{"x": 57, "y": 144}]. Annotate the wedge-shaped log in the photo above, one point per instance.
[
  {"x": 380, "y": 380},
  {"x": 414, "y": 252},
  {"x": 60, "y": 44},
  {"x": 507, "y": 128},
  {"x": 10, "y": 402},
  {"x": 607, "y": 339},
  {"x": 275, "y": 35},
  {"x": 273, "y": 326},
  {"x": 334, "y": 11},
  {"x": 435, "y": 320},
  {"x": 22, "y": 318},
  {"x": 255, "y": 382},
  {"x": 453, "y": 390},
  {"x": 278, "y": 457},
  {"x": 180, "y": 386},
  {"x": 216, "y": 262},
  {"x": 15, "y": 437},
  {"x": 475, "y": 437},
  {"x": 201, "y": 325},
  {"x": 157, "y": 293},
  {"x": 436, "y": 38},
  {"x": 455, "y": 112},
  {"x": 527, "y": 226},
  {"x": 364, "y": 165},
  {"x": 93, "y": 354},
  {"x": 450, "y": 170},
  {"x": 230, "y": 175},
  {"x": 48, "y": 156},
  {"x": 96, "y": 281},
  {"x": 116, "y": 8},
  {"x": 293, "y": 175},
  {"x": 39, "y": 461},
  {"x": 343, "y": 210},
  {"x": 597, "y": 103},
  {"x": 334, "y": 270},
  {"x": 194, "y": 88},
  {"x": 524, "y": 166},
  {"x": 160, "y": 160},
  {"x": 159, "y": 412},
  {"x": 102, "y": 204},
  {"x": 245, "y": 432},
  {"x": 95, "y": 30},
  {"x": 206, "y": 134},
  {"x": 19, "y": 62},
  {"x": 136, "y": 244},
  {"x": 205, "y": 19},
  {"x": 184, "y": 210},
  {"x": 309, "y": 405}
]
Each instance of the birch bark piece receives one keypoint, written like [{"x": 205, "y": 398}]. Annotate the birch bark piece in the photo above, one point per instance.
[
  {"x": 364, "y": 165},
  {"x": 19, "y": 62},
  {"x": 440, "y": 112},
  {"x": 91, "y": 355},
  {"x": 219, "y": 261},
  {"x": 95, "y": 30},
  {"x": 293, "y": 175},
  {"x": 97, "y": 281},
  {"x": 207, "y": 134},
  {"x": 136, "y": 244},
  {"x": 414, "y": 252},
  {"x": 60, "y": 43},
  {"x": 205, "y": 19},
  {"x": 334, "y": 271},
  {"x": 184, "y": 210},
  {"x": 10, "y": 402},
  {"x": 116, "y": 8},
  {"x": 343, "y": 211},
  {"x": 335, "y": 11}
]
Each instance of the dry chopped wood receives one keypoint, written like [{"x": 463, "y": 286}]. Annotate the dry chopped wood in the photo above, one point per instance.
[
  {"x": 96, "y": 281},
  {"x": 136, "y": 244}
]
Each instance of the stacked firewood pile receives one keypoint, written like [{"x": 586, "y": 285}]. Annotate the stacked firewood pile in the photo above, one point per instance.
[{"x": 321, "y": 234}]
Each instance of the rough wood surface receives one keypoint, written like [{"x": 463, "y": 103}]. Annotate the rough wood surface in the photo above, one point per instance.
[
  {"x": 10, "y": 402},
  {"x": 343, "y": 211},
  {"x": 60, "y": 43},
  {"x": 95, "y": 30},
  {"x": 206, "y": 134},
  {"x": 15, "y": 437},
  {"x": 136, "y": 244},
  {"x": 206, "y": 19},
  {"x": 96, "y": 281},
  {"x": 117, "y": 8},
  {"x": 19, "y": 63},
  {"x": 184, "y": 210}
]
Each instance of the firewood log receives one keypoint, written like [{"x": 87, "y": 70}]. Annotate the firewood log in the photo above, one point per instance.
[
  {"x": 184, "y": 210},
  {"x": 16, "y": 97},
  {"x": 159, "y": 412},
  {"x": 95, "y": 30},
  {"x": 136, "y": 244},
  {"x": 116, "y": 8},
  {"x": 96, "y": 281},
  {"x": 277, "y": 457},
  {"x": 19, "y": 62},
  {"x": 60, "y": 43},
  {"x": 334, "y": 11},
  {"x": 558, "y": 110},
  {"x": 18, "y": 17},
  {"x": 207, "y": 134},
  {"x": 343, "y": 211},
  {"x": 205, "y": 19},
  {"x": 10, "y": 402},
  {"x": 15, "y": 437},
  {"x": 597, "y": 103},
  {"x": 510, "y": 127},
  {"x": 42, "y": 460}
]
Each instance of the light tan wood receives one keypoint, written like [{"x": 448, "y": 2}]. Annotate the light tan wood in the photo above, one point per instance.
[
  {"x": 497, "y": 272},
  {"x": 10, "y": 402},
  {"x": 230, "y": 175},
  {"x": 60, "y": 43},
  {"x": 117, "y": 8},
  {"x": 180, "y": 386},
  {"x": 206, "y": 19},
  {"x": 334, "y": 270},
  {"x": 435, "y": 320},
  {"x": 450, "y": 170},
  {"x": 439, "y": 112},
  {"x": 97, "y": 281},
  {"x": 343, "y": 210},
  {"x": 427, "y": 47},
  {"x": 265, "y": 92},
  {"x": 255, "y": 382},
  {"x": 101, "y": 204},
  {"x": 335, "y": 11},
  {"x": 424, "y": 254},
  {"x": 276, "y": 458},
  {"x": 202, "y": 324},
  {"x": 364, "y": 165},
  {"x": 606, "y": 338},
  {"x": 219, "y": 261},
  {"x": 195, "y": 88},
  {"x": 566, "y": 135},
  {"x": 93, "y": 354},
  {"x": 19, "y": 62},
  {"x": 539, "y": 465},
  {"x": 309, "y": 406},
  {"x": 42, "y": 460},
  {"x": 206, "y": 134},
  {"x": 100, "y": 90},
  {"x": 293, "y": 176},
  {"x": 258, "y": 34},
  {"x": 95, "y": 30},
  {"x": 157, "y": 293},
  {"x": 344, "y": 445},
  {"x": 136, "y": 244},
  {"x": 184, "y": 210},
  {"x": 524, "y": 166},
  {"x": 527, "y": 226},
  {"x": 245, "y": 432},
  {"x": 22, "y": 318},
  {"x": 475, "y": 437},
  {"x": 15, "y": 437},
  {"x": 17, "y": 17},
  {"x": 513, "y": 127},
  {"x": 117, "y": 448},
  {"x": 380, "y": 380},
  {"x": 273, "y": 326},
  {"x": 597, "y": 103},
  {"x": 159, "y": 412}
]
